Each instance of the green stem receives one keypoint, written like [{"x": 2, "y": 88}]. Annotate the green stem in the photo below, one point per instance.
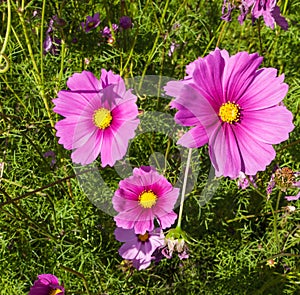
[
  {"x": 37, "y": 72},
  {"x": 275, "y": 219},
  {"x": 154, "y": 47},
  {"x": 2, "y": 55},
  {"x": 186, "y": 173},
  {"x": 42, "y": 43},
  {"x": 221, "y": 33},
  {"x": 78, "y": 274}
]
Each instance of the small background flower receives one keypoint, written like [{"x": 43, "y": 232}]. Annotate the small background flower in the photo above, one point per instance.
[
  {"x": 91, "y": 22},
  {"x": 139, "y": 248},
  {"x": 47, "y": 284}
]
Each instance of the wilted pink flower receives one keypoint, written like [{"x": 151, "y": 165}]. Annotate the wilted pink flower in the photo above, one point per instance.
[
  {"x": 47, "y": 284},
  {"x": 243, "y": 181},
  {"x": 141, "y": 198},
  {"x": 234, "y": 107},
  {"x": 91, "y": 22},
  {"x": 294, "y": 198},
  {"x": 139, "y": 248},
  {"x": 284, "y": 178},
  {"x": 100, "y": 117}
]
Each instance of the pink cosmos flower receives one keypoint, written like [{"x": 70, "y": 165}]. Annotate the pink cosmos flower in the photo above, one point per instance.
[
  {"x": 234, "y": 107},
  {"x": 142, "y": 197},
  {"x": 139, "y": 248},
  {"x": 91, "y": 22},
  {"x": 100, "y": 117},
  {"x": 47, "y": 284}
]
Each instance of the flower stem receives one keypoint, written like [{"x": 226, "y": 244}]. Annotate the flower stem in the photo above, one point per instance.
[
  {"x": 78, "y": 274},
  {"x": 2, "y": 55},
  {"x": 275, "y": 219},
  {"x": 186, "y": 173}
]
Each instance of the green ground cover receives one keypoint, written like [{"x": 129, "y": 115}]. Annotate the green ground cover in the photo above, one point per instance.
[{"x": 48, "y": 223}]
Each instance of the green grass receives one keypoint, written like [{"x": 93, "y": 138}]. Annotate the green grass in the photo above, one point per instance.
[{"x": 52, "y": 226}]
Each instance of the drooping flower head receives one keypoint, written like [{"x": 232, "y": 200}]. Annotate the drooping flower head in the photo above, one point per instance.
[
  {"x": 244, "y": 181},
  {"x": 100, "y": 117},
  {"x": 139, "y": 248},
  {"x": 141, "y": 198},
  {"x": 91, "y": 22},
  {"x": 47, "y": 284},
  {"x": 270, "y": 12},
  {"x": 265, "y": 8},
  {"x": 234, "y": 107},
  {"x": 284, "y": 178}
]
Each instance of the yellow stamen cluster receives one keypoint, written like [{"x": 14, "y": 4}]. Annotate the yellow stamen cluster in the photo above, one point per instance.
[
  {"x": 147, "y": 199},
  {"x": 229, "y": 112},
  {"x": 54, "y": 292},
  {"x": 91, "y": 24},
  {"x": 102, "y": 118},
  {"x": 144, "y": 237}
]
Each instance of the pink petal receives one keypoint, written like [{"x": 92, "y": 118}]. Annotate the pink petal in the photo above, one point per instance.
[
  {"x": 74, "y": 132},
  {"x": 125, "y": 235},
  {"x": 85, "y": 83},
  {"x": 266, "y": 90},
  {"x": 65, "y": 100},
  {"x": 256, "y": 155},
  {"x": 194, "y": 138},
  {"x": 89, "y": 151},
  {"x": 238, "y": 74},
  {"x": 270, "y": 125},
  {"x": 224, "y": 152}
]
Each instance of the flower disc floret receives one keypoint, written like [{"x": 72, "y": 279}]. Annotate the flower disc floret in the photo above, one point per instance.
[
  {"x": 144, "y": 237},
  {"x": 147, "y": 199},
  {"x": 102, "y": 118},
  {"x": 229, "y": 112}
]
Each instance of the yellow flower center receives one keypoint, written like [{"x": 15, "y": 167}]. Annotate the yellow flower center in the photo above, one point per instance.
[
  {"x": 91, "y": 24},
  {"x": 229, "y": 112},
  {"x": 147, "y": 199},
  {"x": 102, "y": 118},
  {"x": 54, "y": 292},
  {"x": 144, "y": 237}
]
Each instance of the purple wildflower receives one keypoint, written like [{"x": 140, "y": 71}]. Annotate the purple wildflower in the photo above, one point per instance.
[
  {"x": 227, "y": 8},
  {"x": 139, "y": 248},
  {"x": 47, "y": 284},
  {"x": 51, "y": 43},
  {"x": 125, "y": 22},
  {"x": 91, "y": 22},
  {"x": 270, "y": 12},
  {"x": 173, "y": 46},
  {"x": 52, "y": 155}
]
